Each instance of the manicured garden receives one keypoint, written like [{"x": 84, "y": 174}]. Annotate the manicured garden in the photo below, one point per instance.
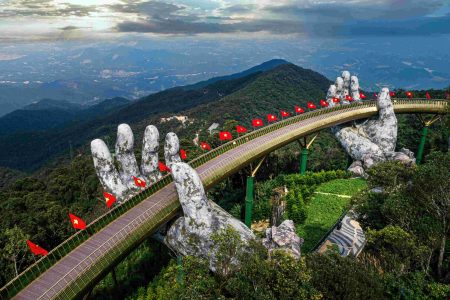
[{"x": 323, "y": 210}]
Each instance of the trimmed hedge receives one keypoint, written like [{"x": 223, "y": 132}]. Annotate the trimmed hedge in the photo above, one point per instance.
[{"x": 300, "y": 187}]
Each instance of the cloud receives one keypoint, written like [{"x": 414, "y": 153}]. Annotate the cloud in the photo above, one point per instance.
[
  {"x": 71, "y": 27},
  {"x": 150, "y": 8},
  {"x": 174, "y": 26},
  {"x": 324, "y": 18},
  {"x": 238, "y": 9},
  {"x": 43, "y": 8},
  {"x": 422, "y": 26},
  {"x": 358, "y": 9}
]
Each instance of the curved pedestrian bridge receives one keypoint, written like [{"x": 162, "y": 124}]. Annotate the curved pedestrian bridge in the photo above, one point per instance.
[{"x": 75, "y": 266}]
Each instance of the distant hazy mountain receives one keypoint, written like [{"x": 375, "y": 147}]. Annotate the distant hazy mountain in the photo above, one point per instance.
[
  {"x": 134, "y": 67},
  {"x": 241, "y": 99},
  {"x": 51, "y": 104},
  {"x": 53, "y": 114}
]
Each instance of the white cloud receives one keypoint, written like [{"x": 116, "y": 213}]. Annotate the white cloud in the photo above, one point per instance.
[{"x": 4, "y": 56}]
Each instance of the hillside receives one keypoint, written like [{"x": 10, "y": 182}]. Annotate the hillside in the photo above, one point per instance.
[
  {"x": 266, "y": 66},
  {"x": 50, "y": 114},
  {"x": 259, "y": 92},
  {"x": 281, "y": 88}
]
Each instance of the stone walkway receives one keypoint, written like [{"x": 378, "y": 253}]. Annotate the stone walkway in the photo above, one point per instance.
[{"x": 350, "y": 239}]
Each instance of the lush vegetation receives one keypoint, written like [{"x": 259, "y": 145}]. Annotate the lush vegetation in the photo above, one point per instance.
[
  {"x": 343, "y": 187},
  {"x": 407, "y": 253},
  {"x": 322, "y": 212},
  {"x": 261, "y": 277},
  {"x": 408, "y": 217},
  {"x": 400, "y": 261},
  {"x": 37, "y": 208},
  {"x": 313, "y": 213}
]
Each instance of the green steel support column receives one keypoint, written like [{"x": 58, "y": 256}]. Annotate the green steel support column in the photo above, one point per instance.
[
  {"x": 422, "y": 144},
  {"x": 304, "y": 161},
  {"x": 249, "y": 201}
]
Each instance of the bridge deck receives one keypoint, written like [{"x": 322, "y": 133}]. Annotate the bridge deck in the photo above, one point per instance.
[{"x": 80, "y": 269}]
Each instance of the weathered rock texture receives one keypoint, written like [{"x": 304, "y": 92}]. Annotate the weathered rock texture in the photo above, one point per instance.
[
  {"x": 283, "y": 237},
  {"x": 190, "y": 234},
  {"x": 370, "y": 141}
]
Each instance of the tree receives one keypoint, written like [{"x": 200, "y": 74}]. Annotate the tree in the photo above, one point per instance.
[
  {"x": 15, "y": 248},
  {"x": 397, "y": 250},
  {"x": 339, "y": 277},
  {"x": 392, "y": 176},
  {"x": 431, "y": 190}
]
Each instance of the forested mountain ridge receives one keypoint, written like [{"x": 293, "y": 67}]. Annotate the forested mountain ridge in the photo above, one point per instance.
[
  {"x": 279, "y": 87},
  {"x": 266, "y": 66},
  {"x": 49, "y": 114}
]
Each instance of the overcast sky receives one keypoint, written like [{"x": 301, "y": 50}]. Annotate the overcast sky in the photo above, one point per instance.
[{"x": 38, "y": 20}]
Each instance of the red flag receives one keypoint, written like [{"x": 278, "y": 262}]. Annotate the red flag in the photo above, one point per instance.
[
  {"x": 241, "y": 129},
  {"x": 163, "y": 167},
  {"x": 77, "y": 222},
  {"x": 409, "y": 95},
  {"x": 323, "y": 103},
  {"x": 271, "y": 118},
  {"x": 183, "y": 154},
  {"x": 257, "y": 123},
  {"x": 375, "y": 96},
  {"x": 336, "y": 100},
  {"x": 311, "y": 105},
  {"x": 205, "y": 146},
  {"x": 110, "y": 199},
  {"x": 284, "y": 113},
  {"x": 447, "y": 95},
  {"x": 392, "y": 94},
  {"x": 348, "y": 98},
  {"x": 36, "y": 249},
  {"x": 362, "y": 96},
  {"x": 139, "y": 182},
  {"x": 428, "y": 96},
  {"x": 299, "y": 110},
  {"x": 225, "y": 135}
]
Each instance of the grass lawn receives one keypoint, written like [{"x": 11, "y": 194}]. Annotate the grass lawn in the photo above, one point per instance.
[
  {"x": 324, "y": 210},
  {"x": 347, "y": 187}
]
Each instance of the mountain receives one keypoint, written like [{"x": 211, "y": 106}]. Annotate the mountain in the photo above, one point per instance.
[
  {"x": 52, "y": 114},
  {"x": 51, "y": 104},
  {"x": 268, "y": 65},
  {"x": 241, "y": 99},
  {"x": 33, "y": 120}
]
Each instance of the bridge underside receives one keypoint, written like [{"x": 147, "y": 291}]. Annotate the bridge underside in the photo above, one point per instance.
[{"x": 78, "y": 271}]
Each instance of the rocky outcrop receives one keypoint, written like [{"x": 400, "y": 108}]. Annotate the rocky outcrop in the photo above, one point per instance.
[
  {"x": 191, "y": 233},
  {"x": 371, "y": 141},
  {"x": 283, "y": 238}
]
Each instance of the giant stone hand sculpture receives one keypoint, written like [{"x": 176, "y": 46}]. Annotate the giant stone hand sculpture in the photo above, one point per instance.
[
  {"x": 372, "y": 140},
  {"x": 191, "y": 233}
]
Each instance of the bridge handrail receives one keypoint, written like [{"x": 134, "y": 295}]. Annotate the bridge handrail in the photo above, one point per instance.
[{"x": 44, "y": 263}]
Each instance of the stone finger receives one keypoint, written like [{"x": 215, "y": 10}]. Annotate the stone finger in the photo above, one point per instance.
[
  {"x": 150, "y": 148},
  {"x": 354, "y": 85},
  {"x": 172, "y": 149},
  {"x": 191, "y": 193},
  {"x": 106, "y": 171},
  {"x": 125, "y": 155},
  {"x": 331, "y": 94},
  {"x": 346, "y": 78}
]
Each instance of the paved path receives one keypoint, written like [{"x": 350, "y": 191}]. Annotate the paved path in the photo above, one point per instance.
[{"x": 331, "y": 194}]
